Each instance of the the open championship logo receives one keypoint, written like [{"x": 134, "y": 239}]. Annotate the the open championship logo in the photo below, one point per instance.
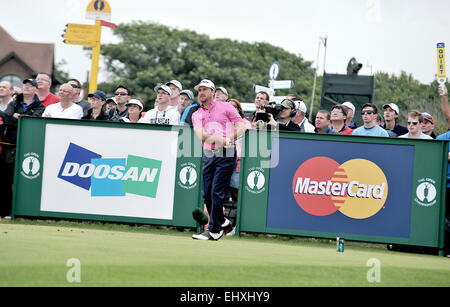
[
  {"x": 31, "y": 166},
  {"x": 426, "y": 192},
  {"x": 110, "y": 177},
  {"x": 187, "y": 178},
  {"x": 256, "y": 180}
]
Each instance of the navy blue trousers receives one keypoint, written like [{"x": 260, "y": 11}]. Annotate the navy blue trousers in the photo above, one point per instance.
[{"x": 216, "y": 172}]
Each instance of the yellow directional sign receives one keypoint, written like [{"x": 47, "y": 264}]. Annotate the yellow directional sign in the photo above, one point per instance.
[
  {"x": 80, "y": 42},
  {"x": 81, "y": 32},
  {"x": 73, "y": 26}
]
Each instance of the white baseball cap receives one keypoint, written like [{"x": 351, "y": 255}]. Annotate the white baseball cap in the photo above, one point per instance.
[
  {"x": 176, "y": 83},
  {"x": 301, "y": 105},
  {"x": 223, "y": 90},
  {"x": 188, "y": 93},
  {"x": 164, "y": 88},
  {"x": 349, "y": 105},
  {"x": 113, "y": 99},
  {"x": 206, "y": 83},
  {"x": 393, "y": 106},
  {"x": 136, "y": 102}
]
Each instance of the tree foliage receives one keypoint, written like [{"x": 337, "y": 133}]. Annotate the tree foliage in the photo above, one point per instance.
[
  {"x": 409, "y": 94},
  {"x": 150, "y": 53}
]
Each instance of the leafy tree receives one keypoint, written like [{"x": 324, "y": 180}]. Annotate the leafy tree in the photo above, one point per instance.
[
  {"x": 409, "y": 94},
  {"x": 151, "y": 53}
]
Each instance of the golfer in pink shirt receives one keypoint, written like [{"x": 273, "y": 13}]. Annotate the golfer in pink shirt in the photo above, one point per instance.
[{"x": 217, "y": 124}]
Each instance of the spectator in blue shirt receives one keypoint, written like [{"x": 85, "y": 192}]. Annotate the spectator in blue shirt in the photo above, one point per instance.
[{"x": 369, "y": 115}]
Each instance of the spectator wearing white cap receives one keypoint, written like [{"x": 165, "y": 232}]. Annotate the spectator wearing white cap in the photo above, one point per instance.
[
  {"x": 221, "y": 94},
  {"x": 186, "y": 117},
  {"x": 428, "y": 125},
  {"x": 110, "y": 104},
  {"x": 185, "y": 100},
  {"x": 135, "y": 107},
  {"x": 391, "y": 112},
  {"x": 176, "y": 88},
  {"x": 164, "y": 113},
  {"x": 300, "y": 119},
  {"x": 350, "y": 108},
  {"x": 415, "y": 120}
]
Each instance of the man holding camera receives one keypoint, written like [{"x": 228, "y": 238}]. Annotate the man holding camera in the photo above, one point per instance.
[{"x": 285, "y": 118}]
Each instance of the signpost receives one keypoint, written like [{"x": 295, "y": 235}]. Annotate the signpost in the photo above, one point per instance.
[
  {"x": 274, "y": 72},
  {"x": 90, "y": 35}
]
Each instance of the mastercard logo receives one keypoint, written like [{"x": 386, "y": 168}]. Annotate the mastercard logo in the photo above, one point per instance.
[{"x": 357, "y": 188}]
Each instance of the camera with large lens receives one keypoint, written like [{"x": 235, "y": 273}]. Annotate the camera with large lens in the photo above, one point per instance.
[{"x": 273, "y": 109}]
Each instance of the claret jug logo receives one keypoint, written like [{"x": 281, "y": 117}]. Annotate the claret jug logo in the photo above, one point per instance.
[
  {"x": 187, "y": 178},
  {"x": 31, "y": 166},
  {"x": 357, "y": 188},
  {"x": 256, "y": 180}
]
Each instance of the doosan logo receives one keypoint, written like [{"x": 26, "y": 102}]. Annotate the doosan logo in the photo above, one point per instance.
[
  {"x": 110, "y": 176},
  {"x": 102, "y": 171}
]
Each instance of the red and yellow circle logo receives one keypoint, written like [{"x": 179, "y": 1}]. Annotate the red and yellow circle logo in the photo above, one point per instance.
[{"x": 357, "y": 188}]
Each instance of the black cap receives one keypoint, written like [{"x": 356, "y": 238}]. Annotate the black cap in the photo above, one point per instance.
[{"x": 32, "y": 81}]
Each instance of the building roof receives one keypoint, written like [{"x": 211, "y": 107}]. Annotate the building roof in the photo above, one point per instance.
[{"x": 37, "y": 56}]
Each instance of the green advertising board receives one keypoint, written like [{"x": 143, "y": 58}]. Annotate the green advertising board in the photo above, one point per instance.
[
  {"x": 121, "y": 172},
  {"x": 372, "y": 189}
]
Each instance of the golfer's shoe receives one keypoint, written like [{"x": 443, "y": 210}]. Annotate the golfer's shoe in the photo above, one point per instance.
[
  {"x": 207, "y": 235},
  {"x": 227, "y": 227},
  {"x": 232, "y": 232}
]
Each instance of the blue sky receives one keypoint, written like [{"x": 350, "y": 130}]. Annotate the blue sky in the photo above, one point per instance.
[{"x": 384, "y": 35}]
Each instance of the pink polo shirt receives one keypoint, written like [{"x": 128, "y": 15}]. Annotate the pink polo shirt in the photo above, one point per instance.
[{"x": 218, "y": 120}]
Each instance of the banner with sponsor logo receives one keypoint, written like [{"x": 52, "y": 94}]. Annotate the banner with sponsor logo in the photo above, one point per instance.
[
  {"x": 361, "y": 188},
  {"x": 106, "y": 171}
]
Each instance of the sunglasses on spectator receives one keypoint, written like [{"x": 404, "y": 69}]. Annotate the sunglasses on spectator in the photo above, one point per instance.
[
  {"x": 414, "y": 123},
  {"x": 367, "y": 112},
  {"x": 75, "y": 86},
  {"x": 121, "y": 94}
]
